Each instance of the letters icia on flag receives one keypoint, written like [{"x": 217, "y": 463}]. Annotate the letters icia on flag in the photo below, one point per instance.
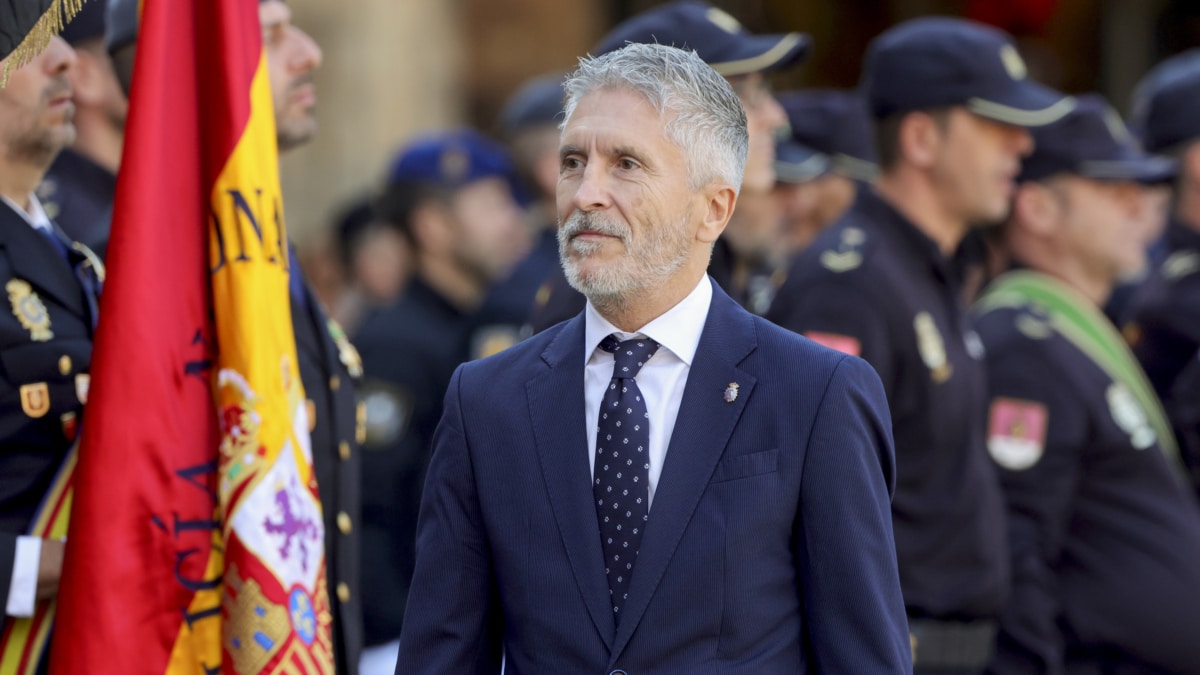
[{"x": 196, "y": 537}]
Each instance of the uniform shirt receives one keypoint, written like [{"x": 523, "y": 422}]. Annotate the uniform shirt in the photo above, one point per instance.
[
  {"x": 78, "y": 194},
  {"x": 874, "y": 286},
  {"x": 661, "y": 380},
  {"x": 1164, "y": 330},
  {"x": 409, "y": 352},
  {"x": 1105, "y": 537}
]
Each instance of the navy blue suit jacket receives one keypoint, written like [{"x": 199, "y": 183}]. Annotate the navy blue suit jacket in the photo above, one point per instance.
[{"x": 769, "y": 546}]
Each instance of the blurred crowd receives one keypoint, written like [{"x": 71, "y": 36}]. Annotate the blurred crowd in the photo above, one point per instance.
[{"x": 1020, "y": 266}]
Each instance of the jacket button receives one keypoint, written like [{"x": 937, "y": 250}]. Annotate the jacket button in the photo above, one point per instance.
[
  {"x": 343, "y": 592},
  {"x": 343, "y": 522},
  {"x": 335, "y": 383},
  {"x": 64, "y": 364},
  {"x": 344, "y": 450}
]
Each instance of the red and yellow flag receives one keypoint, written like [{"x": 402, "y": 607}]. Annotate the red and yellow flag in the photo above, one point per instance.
[{"x": 196, "y": 536}]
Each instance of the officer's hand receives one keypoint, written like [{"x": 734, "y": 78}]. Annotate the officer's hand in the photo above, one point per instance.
[{"x": 50, "y": 568}]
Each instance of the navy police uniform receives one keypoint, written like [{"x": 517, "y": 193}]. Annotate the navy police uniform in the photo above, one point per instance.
[
  {"x": 1104, "y": 536},
  {"x": 410, "y": 351},
  {"x": 1164, "y": 330},
  {"x": 330, "y": 369},
  {"x": 1163, "y": 321},
  {"x": 1104, "y": 532},
  {"x": 45, "y": 354},
  {"x": 874, "y": 286},
  {"x": 78, "y": 194}
]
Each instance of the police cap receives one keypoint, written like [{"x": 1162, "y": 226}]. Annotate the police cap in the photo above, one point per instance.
[
  {"x": 1093, "y": 142},
  {"x": 713, "y": 34},
  {"x": 1166, "y": 103},
  {"x": 941, "y": 61},
  {"x": 827, "y": 123}
]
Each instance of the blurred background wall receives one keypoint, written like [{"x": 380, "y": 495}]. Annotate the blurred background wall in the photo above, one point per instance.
[{"x": 395, "y": 68}]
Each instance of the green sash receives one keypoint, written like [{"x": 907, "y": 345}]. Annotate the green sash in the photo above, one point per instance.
[{"x": 1079, "y": 321}]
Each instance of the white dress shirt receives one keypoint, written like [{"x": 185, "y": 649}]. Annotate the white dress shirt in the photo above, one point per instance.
[
  {"x": 22, "y": 588},
  {"x": 661, "y": 380}
]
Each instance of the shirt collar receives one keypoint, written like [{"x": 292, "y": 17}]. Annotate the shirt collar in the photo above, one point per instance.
[
  {"x": 678, "y": 329},
  {"x": 36, "y": 216}
]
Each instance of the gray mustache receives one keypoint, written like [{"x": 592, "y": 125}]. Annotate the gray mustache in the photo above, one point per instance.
[{"x": 580, "y": 222}]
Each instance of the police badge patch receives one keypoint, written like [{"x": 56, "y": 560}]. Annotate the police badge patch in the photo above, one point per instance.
[
  {"x": 29, "y": 310},
  {"x": 1017, "y": 432},
  {"x": 932, "y": 347}
]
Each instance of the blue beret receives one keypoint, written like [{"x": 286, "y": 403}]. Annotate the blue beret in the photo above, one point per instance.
[
  {"x": 713, "y": 34},
  {"x": 1093, "y": 142},
  {"x": 940, "y": 61},
  {"x": 451, "y": 159}
]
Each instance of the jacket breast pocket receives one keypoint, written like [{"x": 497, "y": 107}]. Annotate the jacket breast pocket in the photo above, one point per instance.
[{"x": 745, "y": 466}]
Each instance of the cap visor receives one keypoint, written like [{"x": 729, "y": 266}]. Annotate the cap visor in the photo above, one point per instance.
[
  {"x": 1145, "y": 170},
  {"x": 758, "y": 53},
  {"x": 1025, "y": 104},
  {"x": 795, "y": 163}
]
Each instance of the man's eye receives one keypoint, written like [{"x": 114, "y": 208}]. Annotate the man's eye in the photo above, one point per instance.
[
  {"x": 628, "y": 164},
  {"x": 571, "y": 163}
]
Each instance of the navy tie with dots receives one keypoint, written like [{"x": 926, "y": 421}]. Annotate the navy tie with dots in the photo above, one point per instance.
[{"x": 622, "y": 467}]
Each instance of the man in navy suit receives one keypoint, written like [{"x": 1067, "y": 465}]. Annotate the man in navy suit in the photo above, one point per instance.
[{"x": 665, "y": 482}]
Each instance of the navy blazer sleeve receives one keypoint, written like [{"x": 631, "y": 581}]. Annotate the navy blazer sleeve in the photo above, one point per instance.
[
  {"x": 451, "y": 622},
  {"x": 850, "y": 583}
]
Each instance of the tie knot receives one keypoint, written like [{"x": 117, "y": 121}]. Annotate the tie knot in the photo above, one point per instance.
[{"x": 630, "y": 355}]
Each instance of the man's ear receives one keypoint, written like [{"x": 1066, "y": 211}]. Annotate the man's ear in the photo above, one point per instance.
[
  {"x": 920, "y": 139},
  {"x": 1035, "y": 209},
  {"x": 718, "y": 208}
]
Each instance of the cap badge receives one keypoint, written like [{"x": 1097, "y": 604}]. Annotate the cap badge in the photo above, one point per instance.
[
  {"x": 932, "y": 347},
  {"x": 731, "y": 392},
  {"x": 1013, "y": 62},
  {"x": 29, "y": 310},
  {"x": 723, "y": 20},
  {"x": 453, "y": 165}
]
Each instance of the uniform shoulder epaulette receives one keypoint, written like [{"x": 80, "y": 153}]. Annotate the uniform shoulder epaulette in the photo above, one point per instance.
[
  {"x": 1181, "y": 264},
  {"x": 848, "y": 254}
]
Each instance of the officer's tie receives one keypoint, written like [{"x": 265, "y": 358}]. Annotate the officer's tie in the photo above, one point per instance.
[
  {"x": 83, "y": 266},
  {"x": 622, "y": 465}
]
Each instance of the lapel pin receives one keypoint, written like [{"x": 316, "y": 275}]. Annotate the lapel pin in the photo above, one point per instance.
[{"x": 731, "y": 392}]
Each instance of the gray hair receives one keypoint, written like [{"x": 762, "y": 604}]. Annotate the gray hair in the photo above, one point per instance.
[{"x": 705, "y": 119}]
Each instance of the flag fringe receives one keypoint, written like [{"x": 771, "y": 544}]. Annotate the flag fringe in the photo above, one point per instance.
[{"x": 56, "y": 16}]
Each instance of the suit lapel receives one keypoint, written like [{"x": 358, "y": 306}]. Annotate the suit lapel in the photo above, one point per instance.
[
  {"x": 35, "y": 260},
  {"x": 556, "y": 408},
  {"x": 702, "y": 430}
]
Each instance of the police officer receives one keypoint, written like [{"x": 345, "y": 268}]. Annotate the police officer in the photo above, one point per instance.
[
  {"x": 450, "y": 193},
  {"x": 951, "y": 103},
  {"x": 1103, "y": 532},
  {"x": 329, "y": 365},
  {"x": 45, "y": 333},
  {"x": 1164, "y": 318},
  {"x": 78, "y": 190},
  {"x": 822, "y": 161},
  {"x": 529, "y": 126},
  {"x": 745, "y": 256}
]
